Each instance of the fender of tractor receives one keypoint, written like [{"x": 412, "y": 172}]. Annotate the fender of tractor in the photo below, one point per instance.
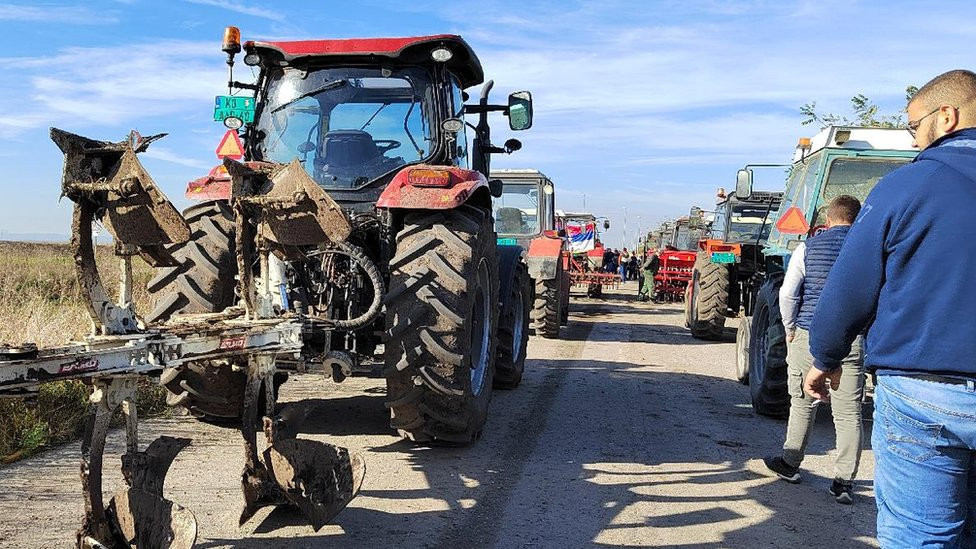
[
  {"x": 426, "y": 187},
  {"x": 544, "y": 256}
]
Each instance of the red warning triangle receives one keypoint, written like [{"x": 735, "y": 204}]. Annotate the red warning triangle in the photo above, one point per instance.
[
  {"x": 793, "y": 222},
  {"x": 230, "y": 146}
]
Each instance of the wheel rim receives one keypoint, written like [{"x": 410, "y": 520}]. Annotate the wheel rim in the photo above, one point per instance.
[
  {"x": 519, "y": 328},
  {"x": 480, "y": 331},
  {"x": 762, "y": 338}
]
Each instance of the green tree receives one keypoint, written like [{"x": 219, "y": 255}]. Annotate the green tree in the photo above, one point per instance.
[{"x": 865, "y": 113}]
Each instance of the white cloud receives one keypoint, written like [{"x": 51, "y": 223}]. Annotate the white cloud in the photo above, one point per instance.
[
  {"x": 50, "y": 14},
  {"x": 106, "y": 86},
  {"x": 238, "y": 7}
]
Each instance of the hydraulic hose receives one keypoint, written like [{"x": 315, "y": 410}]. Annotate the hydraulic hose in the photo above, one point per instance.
[{"x": 359, "y": 257}]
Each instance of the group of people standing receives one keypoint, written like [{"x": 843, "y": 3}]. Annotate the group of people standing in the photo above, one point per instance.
[
  {"x": 896, "y": 275},
  {"x": 624, "y": 263}
]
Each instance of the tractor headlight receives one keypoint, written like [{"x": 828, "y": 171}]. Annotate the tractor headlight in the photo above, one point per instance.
[
  {"x": 233, "y": 122},
  {"x": 441, "y": 55},
  {"x": 252, "y": 59}
]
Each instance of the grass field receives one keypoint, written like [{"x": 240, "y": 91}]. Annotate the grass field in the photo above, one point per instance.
[{"x": 40, "y": 302}]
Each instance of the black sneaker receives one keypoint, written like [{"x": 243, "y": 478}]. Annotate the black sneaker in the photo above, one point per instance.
[
  {"x": 843, "y": 493},
  {"x": 782, "y": 469}
]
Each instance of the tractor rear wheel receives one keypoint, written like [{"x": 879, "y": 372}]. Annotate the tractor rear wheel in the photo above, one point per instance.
[
  {"x": 767, "y": 353},
  {"x": 441, "y": 318},
  {"x": 204, "y": 281},
  {"x": 513, "y": 330},
  {"x": 708, "y": 299}
]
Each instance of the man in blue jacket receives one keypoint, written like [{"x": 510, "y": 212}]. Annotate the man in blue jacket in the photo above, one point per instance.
[
  {"x": 908, "y": 271},
  {"x": 798, "y": 298}
]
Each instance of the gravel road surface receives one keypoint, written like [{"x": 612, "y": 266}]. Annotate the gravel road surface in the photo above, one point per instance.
[{"x": 626, "y": 432}]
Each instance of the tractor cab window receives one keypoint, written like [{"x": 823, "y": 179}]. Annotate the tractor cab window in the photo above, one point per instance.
[
  {"x": 856, "y": 177},
  {"x": 517, "y": 210},
  {"x": 348, "y": 126},
  {"x": 457, "y": 105},
  {"x": 718, "y": 223},
  {"x": 747, "y": 223}
]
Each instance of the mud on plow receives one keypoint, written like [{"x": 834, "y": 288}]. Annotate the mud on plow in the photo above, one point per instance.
[{"x": 276, "y": 207}]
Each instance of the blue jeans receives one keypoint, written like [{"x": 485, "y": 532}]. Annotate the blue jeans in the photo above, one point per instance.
[
  {"x": 623, "y": 273},
  {"x": 925, "y": 464}
]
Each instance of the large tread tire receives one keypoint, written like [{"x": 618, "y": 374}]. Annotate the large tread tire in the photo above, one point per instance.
[
  {"x": 708, "y": 299},
  {"x": 443, "y": 290},
  {"x": 204, "y": 281},
  {"x": 742, "y": 342},
  {"x": 767, "y": 354},
  {"x": 513, "y": 331},
  {"x": 547, "y": 311}
]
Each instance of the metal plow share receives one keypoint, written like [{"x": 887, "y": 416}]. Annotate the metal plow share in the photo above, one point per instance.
[{"x": 106, "y": 182}]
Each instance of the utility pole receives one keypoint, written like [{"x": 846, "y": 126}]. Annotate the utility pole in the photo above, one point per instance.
[
  {"x": 584, "y": 202},
  {"x": 625, "y": 227}
]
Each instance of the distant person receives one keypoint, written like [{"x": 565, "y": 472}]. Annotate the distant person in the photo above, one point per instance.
[
  {"x": 622, "y": 265},
  {"x": 907, "y": 273},
  {"x": 798, "y": 298},
  {"x": 607, "y": 259},
  {"x": 649, "y": 268},
  {"x": 633, "y": 266}
]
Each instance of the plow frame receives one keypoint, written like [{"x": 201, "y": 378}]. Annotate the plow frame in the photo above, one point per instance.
[{"x": 274, "y": 205}]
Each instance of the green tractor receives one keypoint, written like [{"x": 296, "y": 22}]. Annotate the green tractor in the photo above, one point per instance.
[{"x": 839, "y": 160}]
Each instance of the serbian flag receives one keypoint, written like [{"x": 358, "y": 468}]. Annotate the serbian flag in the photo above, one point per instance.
[{"x": 582, "y": 238}]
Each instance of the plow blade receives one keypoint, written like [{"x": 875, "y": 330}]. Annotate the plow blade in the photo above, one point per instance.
[
  {"x": 148, "y": 521},
  {"x": 318, "y": 478},
  {"x": 110, "y": 177},
  {"x": 297, "y": 211}
]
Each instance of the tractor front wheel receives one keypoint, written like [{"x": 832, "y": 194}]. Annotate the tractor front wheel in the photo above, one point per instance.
[
  {"x": 707, "y": 299},
  {"x": 441, "y": 318},
  {"x": 767, "y": 353},
  {"x": 513, "y": 330}
]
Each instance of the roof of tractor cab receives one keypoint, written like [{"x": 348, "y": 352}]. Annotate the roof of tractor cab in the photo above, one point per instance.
[
  {"x": 858, "y": 138},
  {"x": 416, "y": 49}
]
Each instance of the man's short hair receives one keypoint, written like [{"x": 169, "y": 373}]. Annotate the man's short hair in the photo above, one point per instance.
[
  {"x": 956, "y": 88},
  {"x": 844, "y": 209}
]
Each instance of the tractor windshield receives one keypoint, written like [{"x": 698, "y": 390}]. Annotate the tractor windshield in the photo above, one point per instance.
[
  {"x": 348, "y": 126},
  {"x": 747, "y": 223},
  {"x": 517, "y": 210},
  {"x": 855, "y": 177}
]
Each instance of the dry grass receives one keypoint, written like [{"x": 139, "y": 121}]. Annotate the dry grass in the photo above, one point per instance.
[{"x": 40, "y": 302}]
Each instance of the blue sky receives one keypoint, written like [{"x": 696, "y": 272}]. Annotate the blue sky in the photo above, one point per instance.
[{"x": 643, "y": 105}]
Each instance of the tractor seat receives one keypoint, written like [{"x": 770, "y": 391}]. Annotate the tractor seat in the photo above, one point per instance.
[
  {"x": 510, "y": 221},
  {"x": 349, "y": 149}
]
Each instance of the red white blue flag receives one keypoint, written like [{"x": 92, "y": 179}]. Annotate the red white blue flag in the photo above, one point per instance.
[{"x": 582, "y": 238}]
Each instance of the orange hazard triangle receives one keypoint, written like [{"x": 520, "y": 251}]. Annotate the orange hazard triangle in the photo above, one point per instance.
[
  {"x": 230, "y": 146},
  {"x": 793, "y": 222}
]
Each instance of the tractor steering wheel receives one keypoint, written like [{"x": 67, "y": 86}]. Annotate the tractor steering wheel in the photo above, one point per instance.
[{"x": 387, "y": 145}]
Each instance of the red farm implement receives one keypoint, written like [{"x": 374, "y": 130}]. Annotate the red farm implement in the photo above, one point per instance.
[
  {"x": 585, "y": 271},
  {"x": 673, "y": 275}
]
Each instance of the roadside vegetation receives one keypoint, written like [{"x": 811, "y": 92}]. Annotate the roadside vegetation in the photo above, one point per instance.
[{"x": 40, "y": 302}]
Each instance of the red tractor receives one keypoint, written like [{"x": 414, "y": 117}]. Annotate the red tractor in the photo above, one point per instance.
[
  {"x": 379, "y": 124},
  {"x": 525, "y": 220}
]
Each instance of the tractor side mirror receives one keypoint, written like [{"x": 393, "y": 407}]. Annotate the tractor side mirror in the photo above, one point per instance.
[
  {"x": 495, "y": 187},
  {"x": 512, "y": 145},
  {"x": 606, "y": 224},
  {"x": 520, "y": 110},
  {"x": 743, "y": 183}
]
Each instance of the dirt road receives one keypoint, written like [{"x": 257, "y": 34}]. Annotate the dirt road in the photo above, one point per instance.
[{"x": 627, "y": 432}]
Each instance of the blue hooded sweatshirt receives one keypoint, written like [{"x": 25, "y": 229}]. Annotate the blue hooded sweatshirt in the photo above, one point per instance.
[{"x": 908, "y": 269}]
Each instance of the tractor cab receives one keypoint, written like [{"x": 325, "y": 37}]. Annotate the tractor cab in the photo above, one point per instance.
[
  {"x": 526, "y": 207},
  {"x": 359, "y": 114},
  {"x": 838, "y": 160}
]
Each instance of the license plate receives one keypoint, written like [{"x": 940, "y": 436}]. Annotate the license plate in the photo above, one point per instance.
[
  {"x": 723, "y": 257},
  {"x": 507, "y": 242},
  {"x": 227, "y": 106}
]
